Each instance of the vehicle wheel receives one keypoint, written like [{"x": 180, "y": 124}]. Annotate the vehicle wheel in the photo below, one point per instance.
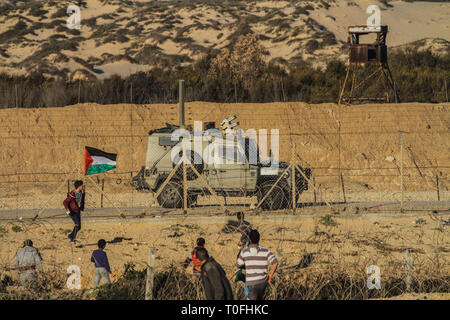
[
  {"x": 275, "y": 200},
  {"x": 171, "y": 196},
  {"x": 196, "y": 161}
]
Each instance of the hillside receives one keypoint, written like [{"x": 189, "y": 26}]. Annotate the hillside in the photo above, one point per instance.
[{"x": 124, "y": 37}]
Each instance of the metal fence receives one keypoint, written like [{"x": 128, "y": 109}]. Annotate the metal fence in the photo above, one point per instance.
[{"x": 33, "y": 178}]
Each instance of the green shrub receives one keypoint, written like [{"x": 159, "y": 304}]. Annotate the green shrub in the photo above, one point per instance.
[
  {"x": 36, "y": 9},
  {"x": 61, "y": 12},
  {"x": 328, "y": 221},
  {"x": 16, "y": 229}
]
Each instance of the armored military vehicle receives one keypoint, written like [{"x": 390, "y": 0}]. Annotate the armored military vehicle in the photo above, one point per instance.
[{"x": 229, "y": 162}]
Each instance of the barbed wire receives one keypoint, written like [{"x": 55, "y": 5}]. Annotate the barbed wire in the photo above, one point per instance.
[
  {"x": 92, "y": 137},
  {"x": 128, "y": 173},
  {"x": 388, "y": 129}
]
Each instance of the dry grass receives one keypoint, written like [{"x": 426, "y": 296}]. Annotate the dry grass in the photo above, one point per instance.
[
  {"x": 320, "y": 258},
  {"x": 330, "y": 283}
]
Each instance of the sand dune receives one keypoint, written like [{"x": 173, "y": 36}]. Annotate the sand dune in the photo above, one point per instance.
[{"x": 137, "y": 32}]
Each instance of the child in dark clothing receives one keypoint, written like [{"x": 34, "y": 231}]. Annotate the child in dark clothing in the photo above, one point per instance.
[{"x": 102, "y": 268}]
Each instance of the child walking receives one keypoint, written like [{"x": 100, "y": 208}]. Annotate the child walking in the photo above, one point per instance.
[{"x": 102, "y": 268}]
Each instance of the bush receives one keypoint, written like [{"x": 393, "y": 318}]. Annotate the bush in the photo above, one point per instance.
[
  {"x": 328, "y": 221},
  {"x": 419, "y": 76},
  {"x": 328, "y": 283},
  {"x": 168, "y": 285},
  {"x": 61, "y": 12},
  {"x": 16, "y": 229},
  {"x": 36, "y": 10},
  {"x": 303, "y": 10},
  {"x": 312, "y": 45}
]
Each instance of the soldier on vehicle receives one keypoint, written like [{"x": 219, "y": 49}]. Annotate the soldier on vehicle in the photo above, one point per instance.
[{"x": 26, "y": 261}]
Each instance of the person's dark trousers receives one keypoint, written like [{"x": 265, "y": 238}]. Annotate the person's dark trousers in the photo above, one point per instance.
[
  {"x": 76, "y": 218},
  {"x": 256, "y": 292}
]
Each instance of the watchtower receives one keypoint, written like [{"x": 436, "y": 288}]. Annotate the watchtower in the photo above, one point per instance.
[{"x": 361, "y": 54}]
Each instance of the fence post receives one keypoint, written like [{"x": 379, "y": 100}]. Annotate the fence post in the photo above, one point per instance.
[
  {"x": 395, "y": 93},
  {"x": 17, "y": 97},
  {"x": 19, "y": 147},
  {"x": 409, "y": 269},
  {"x": 294, "y": 168},
  {"x": 314, "y": 183},
  {"x": 184, "y": 159},
  {"x": 339, "y": 156},
  {"x": 150, "y": 275},
  {"x": 446, "y": 92},
  {"x": 78, "y": 159},
  {"x": 103, "y": 188},
  {"x": 343, "y": 189},
  {"x": 437, "y": 187},
  {"x": 401, "y": 170},
  {"x": 131, "y": 93},
  {"x": 79, "y": 90}
]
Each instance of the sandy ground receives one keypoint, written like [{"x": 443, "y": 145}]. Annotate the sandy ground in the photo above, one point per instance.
[{"x": 355, "y": 241}]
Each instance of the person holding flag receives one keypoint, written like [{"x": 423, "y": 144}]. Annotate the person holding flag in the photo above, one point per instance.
[
  {"x": 74, "y": 204},
  {"x": 95, "y": 161}
]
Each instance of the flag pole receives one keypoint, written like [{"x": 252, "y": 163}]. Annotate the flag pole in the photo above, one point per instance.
[{"x": 79, "y": 166}]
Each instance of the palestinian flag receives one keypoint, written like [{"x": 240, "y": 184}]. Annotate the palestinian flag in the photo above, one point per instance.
[{"x": 98, "y": 161}]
